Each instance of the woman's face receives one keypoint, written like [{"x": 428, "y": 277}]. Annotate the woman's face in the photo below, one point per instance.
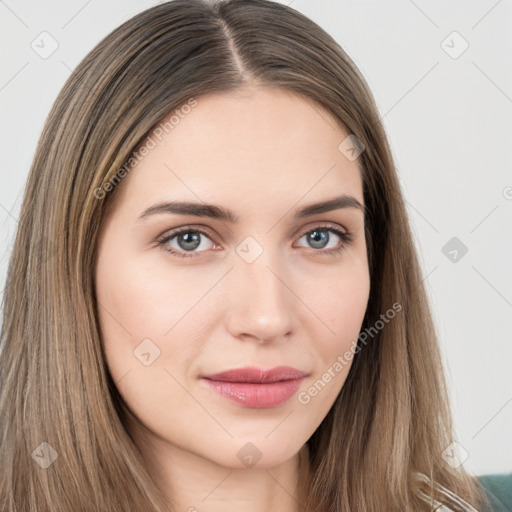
[{"x": 265, "y": 290}]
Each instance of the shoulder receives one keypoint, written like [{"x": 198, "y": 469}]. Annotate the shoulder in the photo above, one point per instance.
[{"x": 498, "y": 488}]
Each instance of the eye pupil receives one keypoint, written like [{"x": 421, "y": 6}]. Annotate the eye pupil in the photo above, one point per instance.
[
  {"x": 190, "y": 237},
  {"x": 319, "y": 236}
]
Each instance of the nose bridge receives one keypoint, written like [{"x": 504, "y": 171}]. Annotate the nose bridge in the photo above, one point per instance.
[{"x": 261, "y": 302}]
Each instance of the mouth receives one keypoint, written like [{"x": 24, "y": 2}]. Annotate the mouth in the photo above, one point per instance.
[{"x": 256, "y": 388}]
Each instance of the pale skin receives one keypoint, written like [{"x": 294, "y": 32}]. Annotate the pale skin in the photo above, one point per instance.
[{"x": 263, "y": 154}]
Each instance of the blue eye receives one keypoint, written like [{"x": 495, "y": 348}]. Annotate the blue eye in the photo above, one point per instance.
[
  {"x": 189, "y": 239},
  {"x": 320, "y": 238}
]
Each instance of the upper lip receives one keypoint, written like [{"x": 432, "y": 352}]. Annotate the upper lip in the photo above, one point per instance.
[{"x": 257, "y": 375}]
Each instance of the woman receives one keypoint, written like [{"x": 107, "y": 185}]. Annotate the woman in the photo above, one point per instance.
[{"x": 213, "y": 191}]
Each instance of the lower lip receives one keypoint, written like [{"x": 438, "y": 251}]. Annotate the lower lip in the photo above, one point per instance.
[{"x": 257, "y": 396}]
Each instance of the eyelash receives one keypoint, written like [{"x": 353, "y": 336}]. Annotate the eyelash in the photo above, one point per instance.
[{"x": 345, "y": 236}]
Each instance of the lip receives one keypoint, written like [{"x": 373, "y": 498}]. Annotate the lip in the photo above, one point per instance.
[
  {"x": 254, "y": 387},
  {"x": 257, "y": 375}
]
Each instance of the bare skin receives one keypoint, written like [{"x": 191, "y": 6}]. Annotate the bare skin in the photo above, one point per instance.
[{"x": 264, "y": 154}]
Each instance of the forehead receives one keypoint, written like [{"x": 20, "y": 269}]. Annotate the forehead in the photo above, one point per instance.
[{"x": 254, "y": 146}]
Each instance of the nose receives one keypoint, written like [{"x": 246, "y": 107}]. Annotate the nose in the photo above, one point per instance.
[{"x": 261, "y": 305}]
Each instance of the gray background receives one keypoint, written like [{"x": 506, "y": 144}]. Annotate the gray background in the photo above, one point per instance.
[{"x": 448, "y": 115}]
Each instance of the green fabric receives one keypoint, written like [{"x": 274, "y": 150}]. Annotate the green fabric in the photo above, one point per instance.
[{"x": 498, "y": 488}]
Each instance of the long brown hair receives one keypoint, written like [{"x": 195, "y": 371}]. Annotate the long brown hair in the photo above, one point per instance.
[{"x": 64, "y": 444}]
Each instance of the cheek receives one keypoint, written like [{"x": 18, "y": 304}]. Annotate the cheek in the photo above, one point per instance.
[
  {"x": 143, "y": 319},
  {"x": 143, "y": 298},
  {"x": 134, "y": 296},
  {"x": 339, "y": 308},
  {"x": 340, "y": 297},
  {"x": 346, "y": 305}
]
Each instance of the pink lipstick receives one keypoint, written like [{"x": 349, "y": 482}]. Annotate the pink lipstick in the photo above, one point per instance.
[{"x": 254, "y": 387}]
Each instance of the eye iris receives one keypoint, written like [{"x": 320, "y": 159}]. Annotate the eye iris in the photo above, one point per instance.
[
  {"x": 189, "y": 237},
  {"x": 318, "y": 237}
]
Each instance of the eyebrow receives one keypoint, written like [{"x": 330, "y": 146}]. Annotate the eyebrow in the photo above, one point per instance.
[{"x": 217, "y": 212}]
